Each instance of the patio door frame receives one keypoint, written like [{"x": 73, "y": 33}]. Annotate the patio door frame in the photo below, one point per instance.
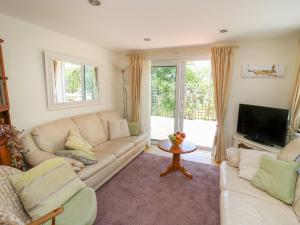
[{"x": 179, "y": 89}]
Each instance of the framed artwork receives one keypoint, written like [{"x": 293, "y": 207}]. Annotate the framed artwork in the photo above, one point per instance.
[{"x": 263, "y": 71}]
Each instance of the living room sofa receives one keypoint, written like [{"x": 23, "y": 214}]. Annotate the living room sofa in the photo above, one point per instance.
[
  {"x": 243, "y": 204},
  {"x": 112, "y": 155}
]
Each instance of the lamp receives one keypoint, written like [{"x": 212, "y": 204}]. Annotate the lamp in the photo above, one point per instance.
[{"x": 123, "y": 68}]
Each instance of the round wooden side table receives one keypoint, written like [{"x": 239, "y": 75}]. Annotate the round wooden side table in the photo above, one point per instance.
[{"x": 185, "y": 147}]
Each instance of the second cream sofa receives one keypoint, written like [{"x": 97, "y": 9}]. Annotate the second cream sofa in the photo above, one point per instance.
[{"x": 112, "y": 155}]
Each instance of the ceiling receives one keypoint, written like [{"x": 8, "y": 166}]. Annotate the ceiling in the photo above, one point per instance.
[{"x": 123, "y": 24}]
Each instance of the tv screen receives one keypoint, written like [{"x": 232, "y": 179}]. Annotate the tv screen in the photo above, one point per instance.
[{"x": 263, "y": 124}]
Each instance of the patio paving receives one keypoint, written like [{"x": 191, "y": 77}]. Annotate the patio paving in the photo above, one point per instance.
[{"x": 201, "y": 132}]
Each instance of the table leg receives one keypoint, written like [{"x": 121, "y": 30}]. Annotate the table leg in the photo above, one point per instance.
[
  {"x": 176, "y": 165},
  {"x": 167, "y": 170}
]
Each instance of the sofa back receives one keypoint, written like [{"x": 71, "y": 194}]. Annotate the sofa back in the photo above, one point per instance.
[{"x": 52, "y": 136}]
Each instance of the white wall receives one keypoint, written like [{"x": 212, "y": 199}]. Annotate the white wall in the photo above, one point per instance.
[
  {"x": 274, "y": 92},
  {"x": 24, "y": 63}
]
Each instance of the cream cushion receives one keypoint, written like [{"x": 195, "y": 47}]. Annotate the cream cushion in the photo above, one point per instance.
[
  {"x": 118, "y": 129},
  {"x": 52, "y": 136},
  {"x": 243, "y": 209},
  {"x": 90, "y": 128},
  {"x": 105, "y": 116},
  {"x": 114, "y": 147},
  {"x": 230, "y": 181},
  {"x": 290, "y": 151},
  {"x": 103, "y": 159},
  {"x": 233, "y": 156},
  {"x": 133, "y": 139},
  {"x": 250, "y": 161}
]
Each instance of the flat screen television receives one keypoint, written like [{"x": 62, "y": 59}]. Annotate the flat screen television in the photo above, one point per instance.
[{"x": 263, "y": 124}]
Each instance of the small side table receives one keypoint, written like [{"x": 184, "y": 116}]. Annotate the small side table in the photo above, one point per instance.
[{"x": 185, "y": 147}]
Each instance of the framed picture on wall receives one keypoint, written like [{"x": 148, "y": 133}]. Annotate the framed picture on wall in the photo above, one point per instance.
[{"x": 263, "y": 71}]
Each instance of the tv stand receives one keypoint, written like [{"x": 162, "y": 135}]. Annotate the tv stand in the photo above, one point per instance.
[
  {"x": 260, "y": 141},
  {"x": 239, "y": 141}
]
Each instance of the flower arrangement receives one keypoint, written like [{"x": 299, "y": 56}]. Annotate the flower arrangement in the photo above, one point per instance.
[
  {"x": 13, "y": 136},
  {"x": 177, "y": 138}
]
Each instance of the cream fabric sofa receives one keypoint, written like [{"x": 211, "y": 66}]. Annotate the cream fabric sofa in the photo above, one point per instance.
[
  {"x": 112, "y": 155},
  {"x": 243, "y": 204}
]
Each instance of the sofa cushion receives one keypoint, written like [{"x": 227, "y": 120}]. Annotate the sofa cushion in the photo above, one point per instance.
[
  {"x": 133, "y": 139},
  {"x": 82, "y": 156},
  {"x": 103, "y": 159},
  {"x": 230, "y": 181},
  {"x": 46, "y": 186},
  {"x": 290, "y": 151},
  {"x": 76, "y": 142},
  {"x": 277, "y": 177},
  {"x": 90, "y": 128},
  {"x": 242, "y": 209},
  {"x": 108, "y": 115},
  {"x": 117, "y": 148},
  {"x": 118, "y": 129},
  {"x": 233, "y": 156},
  {"x": 80, "y": 209},
  {"x": 250, "y": 161},
  {"x": 52, "y": 136}
]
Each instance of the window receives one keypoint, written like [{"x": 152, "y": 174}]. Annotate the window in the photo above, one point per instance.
[{"x": 71, "y": 82}]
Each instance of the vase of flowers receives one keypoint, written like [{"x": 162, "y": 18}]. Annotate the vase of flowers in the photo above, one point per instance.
[
  {"x": 13, "y": 136},
  {"x": 177, "y": 138}
]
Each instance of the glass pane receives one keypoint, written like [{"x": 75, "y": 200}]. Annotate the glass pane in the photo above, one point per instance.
[
  {"x": 90, "y": 81},
  {"x": 163, "y": 101},
  {"x": 72, "y": 82},
  {"x": 199, "y": 112}
]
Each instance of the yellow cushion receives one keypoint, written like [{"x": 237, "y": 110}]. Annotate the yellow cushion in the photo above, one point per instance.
[
  {"x": 46, "y": 186},
  {"x": 76, "y": 142}
]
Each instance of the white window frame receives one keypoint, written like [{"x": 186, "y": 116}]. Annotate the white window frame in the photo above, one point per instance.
[{"x": 49, "y": 70}]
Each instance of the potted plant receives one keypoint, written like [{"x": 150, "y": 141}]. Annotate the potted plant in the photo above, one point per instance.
[{"x": 13, "y": 136}]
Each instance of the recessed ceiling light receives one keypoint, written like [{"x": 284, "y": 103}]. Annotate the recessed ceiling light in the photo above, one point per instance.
[
  {"x": 223, "y": 31},
  {"x": 147, "y": 39},
  {"x": 95, "y": 2}
]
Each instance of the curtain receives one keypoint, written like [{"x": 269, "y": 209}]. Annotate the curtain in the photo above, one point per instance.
[
  {"x": 295, "y": 107},
  {"x": 145, "y": 117},
  {"x": 136, "y": 69},
  {"x": 221, "y": 64}
]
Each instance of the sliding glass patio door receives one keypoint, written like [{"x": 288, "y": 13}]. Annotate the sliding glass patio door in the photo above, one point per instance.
[{"x": 182, "y": 100}]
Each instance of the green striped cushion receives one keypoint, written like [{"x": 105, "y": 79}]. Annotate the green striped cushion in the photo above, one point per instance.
[
  {"x": 46, "y": 186},
  {"x": 80, "y": 155}
]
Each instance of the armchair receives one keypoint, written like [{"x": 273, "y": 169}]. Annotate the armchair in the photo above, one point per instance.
[{"x": 81, "y": 209}]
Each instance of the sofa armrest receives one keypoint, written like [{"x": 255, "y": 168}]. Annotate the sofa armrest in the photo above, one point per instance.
[
  {"x": 233, "y": 156},
  {"x": 49, "y": 216},
  {"x": 33, "y": 154}
]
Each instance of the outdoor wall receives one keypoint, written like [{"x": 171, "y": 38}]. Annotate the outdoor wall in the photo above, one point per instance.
[
  {"x": 274, "y": 92},
  {"x": 24, "y": 63}
]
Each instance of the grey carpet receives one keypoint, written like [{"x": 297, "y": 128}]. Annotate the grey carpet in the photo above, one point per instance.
[{"x": 137, "y": 195}]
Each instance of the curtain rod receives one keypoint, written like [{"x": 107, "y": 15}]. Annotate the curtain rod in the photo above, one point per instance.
[{"x": 203, "y": 48}]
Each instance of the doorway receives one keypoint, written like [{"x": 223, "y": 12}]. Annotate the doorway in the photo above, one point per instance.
[{"x": 182, "y": 100}]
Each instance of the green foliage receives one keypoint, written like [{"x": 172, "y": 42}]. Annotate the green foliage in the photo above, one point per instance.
[
  {"x": 72, "y": 78},
  {"x": 198, "y": 92}
]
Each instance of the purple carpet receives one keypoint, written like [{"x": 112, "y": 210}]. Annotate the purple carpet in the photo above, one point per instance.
[{"x": 137, "y": 195}]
